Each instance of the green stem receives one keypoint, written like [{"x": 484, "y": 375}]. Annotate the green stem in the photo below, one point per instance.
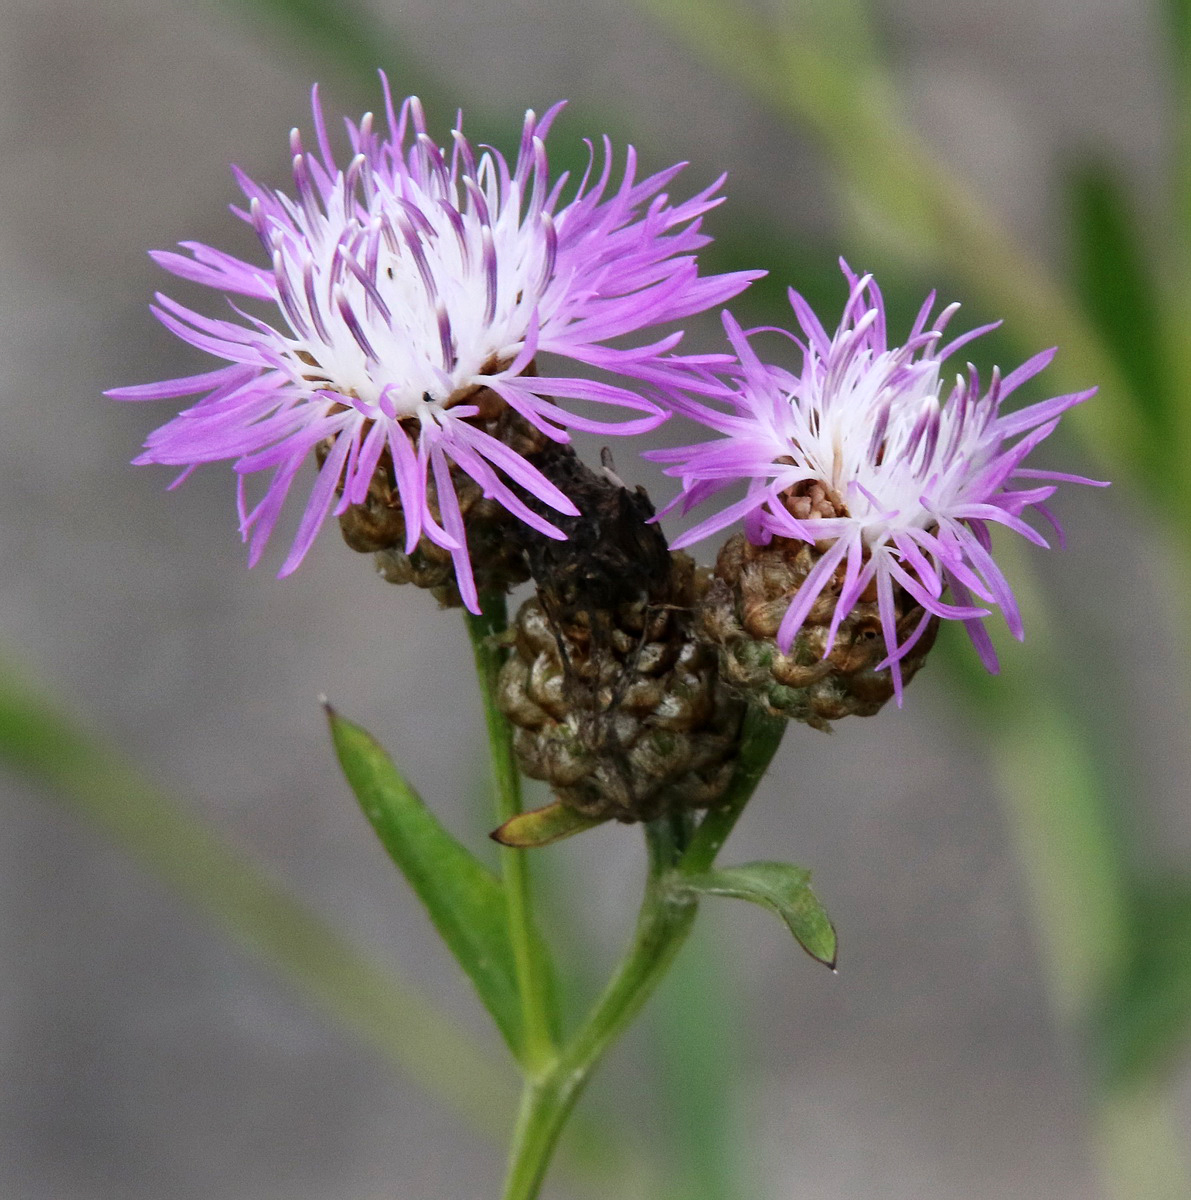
[
  {"x": 533, "y": 973},
  {"x": 360, "y": 995},
  {"x": 666, "y": 916},
  {"x": 662, "y": 926},
  {"x": 759, "y": 742}
]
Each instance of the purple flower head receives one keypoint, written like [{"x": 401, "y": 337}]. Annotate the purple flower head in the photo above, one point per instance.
[
  {"x": 865, "y": 455},
  {"x": 405, "y": 283}
]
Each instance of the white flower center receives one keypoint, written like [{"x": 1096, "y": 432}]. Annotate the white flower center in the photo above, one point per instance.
[{"x": 406, "y": 293}]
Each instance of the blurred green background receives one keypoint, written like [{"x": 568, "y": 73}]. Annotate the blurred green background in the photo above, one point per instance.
[{"x": 1008, "y": 861}]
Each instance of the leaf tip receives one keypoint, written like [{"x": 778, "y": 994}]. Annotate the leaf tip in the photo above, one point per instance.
[
  {"x": 499, "y": 835},
  {"x": 541, "y": 826},
  {"x": 825, "y": 951}
]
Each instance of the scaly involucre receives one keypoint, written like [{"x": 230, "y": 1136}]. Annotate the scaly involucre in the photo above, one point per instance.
[
  {"x": 863, "y": 455},
  {"x": 405, "y": 284}
]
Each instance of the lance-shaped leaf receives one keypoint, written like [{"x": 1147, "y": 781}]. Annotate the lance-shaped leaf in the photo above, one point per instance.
[
  {"x": 61, "y": 756},
  {"x": 465, "y": 900},
  {"x": 782, "y": 888}
]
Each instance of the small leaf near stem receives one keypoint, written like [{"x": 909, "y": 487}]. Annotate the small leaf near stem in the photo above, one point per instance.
[
  {"x": 782, "y": 888},
  {"x": 534, "y": 970}
]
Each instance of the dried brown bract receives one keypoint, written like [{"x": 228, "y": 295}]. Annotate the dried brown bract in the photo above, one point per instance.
[{"x": 617, "y": 702}]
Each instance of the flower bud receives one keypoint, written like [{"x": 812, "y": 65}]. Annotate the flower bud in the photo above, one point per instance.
[{"x": 815, "y": 682}]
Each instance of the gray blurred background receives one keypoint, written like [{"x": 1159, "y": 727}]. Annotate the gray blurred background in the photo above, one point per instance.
[{"x": 144, "y": 1058}]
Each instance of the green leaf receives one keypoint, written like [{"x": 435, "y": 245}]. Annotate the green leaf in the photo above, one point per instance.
[
  {"x": 1147, "y": 1018},
  {"x": 465, "y": 900},
  {"x": 542, "y": 826},
  {"x": 57, "y": 752},
  {"x": 1115, "y": 284},
  {"x": 781, "y": 887}
]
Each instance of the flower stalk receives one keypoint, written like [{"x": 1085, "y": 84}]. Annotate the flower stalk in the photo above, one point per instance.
[
  {"x": 663, "y": 923},
  {"x": 533, "y": 973}
]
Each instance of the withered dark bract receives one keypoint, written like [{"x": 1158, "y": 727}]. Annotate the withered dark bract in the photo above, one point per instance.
[{"x": 617, "y": 702}]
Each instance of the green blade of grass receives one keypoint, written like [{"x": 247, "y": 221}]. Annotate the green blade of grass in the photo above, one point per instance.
[
  {"x": 1146, "y": 1023},
  {"x": 1121, "y": 297},
  {"x": 46, "y": 746}
]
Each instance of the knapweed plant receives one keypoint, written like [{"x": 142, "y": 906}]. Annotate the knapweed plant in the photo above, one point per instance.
[{"x": 423, "y": 327}]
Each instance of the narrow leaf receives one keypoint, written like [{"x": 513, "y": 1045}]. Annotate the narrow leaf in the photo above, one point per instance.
[
  {"x": 57, "y": 752},
  {"x": 465, "y": 900},
  {"x": 541, "y": 826},
  {"x": 1116, "y": 285},
  {"x": 782, "y": 888}
]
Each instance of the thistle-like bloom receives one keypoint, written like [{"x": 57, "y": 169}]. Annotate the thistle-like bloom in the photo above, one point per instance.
[
  {"x": 414, "y": 289},
  {"x": 862, "y": 454}
]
